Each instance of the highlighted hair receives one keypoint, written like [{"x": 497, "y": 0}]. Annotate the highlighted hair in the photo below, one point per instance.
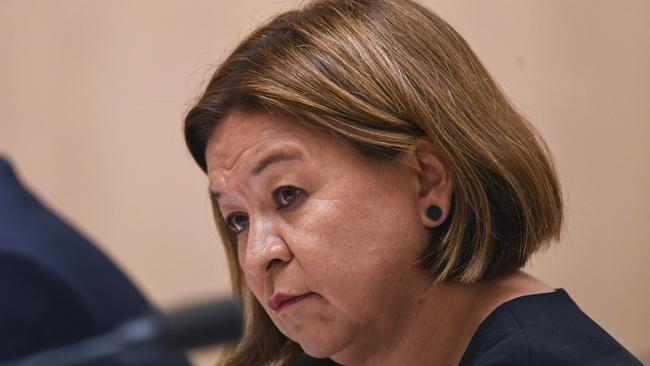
[{"x": 379, "y": 74}]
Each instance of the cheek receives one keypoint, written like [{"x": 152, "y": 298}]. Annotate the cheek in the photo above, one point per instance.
[
  {"x": 254, "y": 283},
  {"x": 357, "y": 246}
]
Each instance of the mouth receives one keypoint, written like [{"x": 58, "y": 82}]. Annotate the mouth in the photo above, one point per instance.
[{"x": 280, "y": 301}]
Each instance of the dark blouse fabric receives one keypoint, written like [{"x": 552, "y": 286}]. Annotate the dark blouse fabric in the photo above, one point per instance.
[{"x": 541, "y": 329}]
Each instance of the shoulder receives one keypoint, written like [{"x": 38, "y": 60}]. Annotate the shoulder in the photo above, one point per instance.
[
  {"x": 43, "y": 310},
  {"x": 543, "y": 329},
  {"x": 42, "y": 248},
  {"x": 21, "y": 275}
]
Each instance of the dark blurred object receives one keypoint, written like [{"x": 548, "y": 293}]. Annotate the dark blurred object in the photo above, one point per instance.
[
  {"x": 196, "y": 326},
  {"x": 57, "y": 288}
]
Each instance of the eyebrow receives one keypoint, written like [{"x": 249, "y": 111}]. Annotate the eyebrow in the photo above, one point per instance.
[{"x": 263, "y": 164}]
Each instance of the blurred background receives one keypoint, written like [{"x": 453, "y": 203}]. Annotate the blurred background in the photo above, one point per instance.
[{"x": 93, "y": 94}]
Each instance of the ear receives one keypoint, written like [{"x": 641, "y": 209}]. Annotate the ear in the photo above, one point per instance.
[{"x": 435, "y": 182}]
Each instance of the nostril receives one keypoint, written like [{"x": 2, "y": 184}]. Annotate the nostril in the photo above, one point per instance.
[{"x": 272, "y": 263}]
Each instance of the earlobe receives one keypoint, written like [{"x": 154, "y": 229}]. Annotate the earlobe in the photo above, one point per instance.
[{"x": 436, "y": 186}]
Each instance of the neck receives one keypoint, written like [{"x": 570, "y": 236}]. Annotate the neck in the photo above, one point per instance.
[
  {"x": 436, "y": 324},
  {"x": 430, "y": 329}
]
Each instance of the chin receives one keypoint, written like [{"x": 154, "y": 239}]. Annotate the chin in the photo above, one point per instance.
[
  {"x": 319, "y": 344},
  {"x": 317, "y": 350}
]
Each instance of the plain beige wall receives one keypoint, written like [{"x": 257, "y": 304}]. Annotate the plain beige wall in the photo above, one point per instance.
[{"x": 92, "y": 95}]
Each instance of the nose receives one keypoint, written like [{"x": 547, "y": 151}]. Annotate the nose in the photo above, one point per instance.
[{"x": 265, "y": 249}]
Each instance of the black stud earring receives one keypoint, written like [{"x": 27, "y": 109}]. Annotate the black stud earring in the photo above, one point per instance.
[{"x": 434, "y": 212}]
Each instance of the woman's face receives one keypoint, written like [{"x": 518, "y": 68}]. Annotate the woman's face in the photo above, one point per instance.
[{"x": 327, "y": 241}]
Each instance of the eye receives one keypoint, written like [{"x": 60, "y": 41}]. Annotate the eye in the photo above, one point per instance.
[
  {"x": 287, "y": 195},
  {"x": 237, "y": 222}
]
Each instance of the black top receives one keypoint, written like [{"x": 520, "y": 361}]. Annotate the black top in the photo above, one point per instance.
[
  {"x": 543, "y": 329},
  {"x": 540, "y": 329}
]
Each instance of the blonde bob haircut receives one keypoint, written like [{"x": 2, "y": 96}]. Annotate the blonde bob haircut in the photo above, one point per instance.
[{"x": 378, "y": 75}]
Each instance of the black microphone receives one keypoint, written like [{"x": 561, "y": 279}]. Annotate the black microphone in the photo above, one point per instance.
[{"x": 196, "y": 326}]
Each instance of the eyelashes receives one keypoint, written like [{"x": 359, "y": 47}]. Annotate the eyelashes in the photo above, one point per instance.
[
  {"x": 285, "y": 197},
  {"x": 237, "y": 222},
  {"x": 284, "y": 200}
]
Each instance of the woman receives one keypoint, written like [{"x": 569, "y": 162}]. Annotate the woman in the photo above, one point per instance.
[{"x": 377, "y": 196}]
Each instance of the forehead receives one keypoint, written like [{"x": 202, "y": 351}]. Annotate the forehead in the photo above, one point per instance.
[{"x": 241, "y": 138}]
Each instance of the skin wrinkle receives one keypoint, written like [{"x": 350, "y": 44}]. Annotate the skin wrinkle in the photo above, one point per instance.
[
  {"x": 381, "y": 79},
  {"x": 228, "y": 171},
  {"x": 351, "y": 239},
  {"x": 332, "y": 185}
]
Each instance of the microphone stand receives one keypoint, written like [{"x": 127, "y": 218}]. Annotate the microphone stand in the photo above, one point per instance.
[{"x": 205, "y": 324}]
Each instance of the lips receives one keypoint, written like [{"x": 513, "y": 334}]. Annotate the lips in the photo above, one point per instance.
[{"x": 282, "y": 301}]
